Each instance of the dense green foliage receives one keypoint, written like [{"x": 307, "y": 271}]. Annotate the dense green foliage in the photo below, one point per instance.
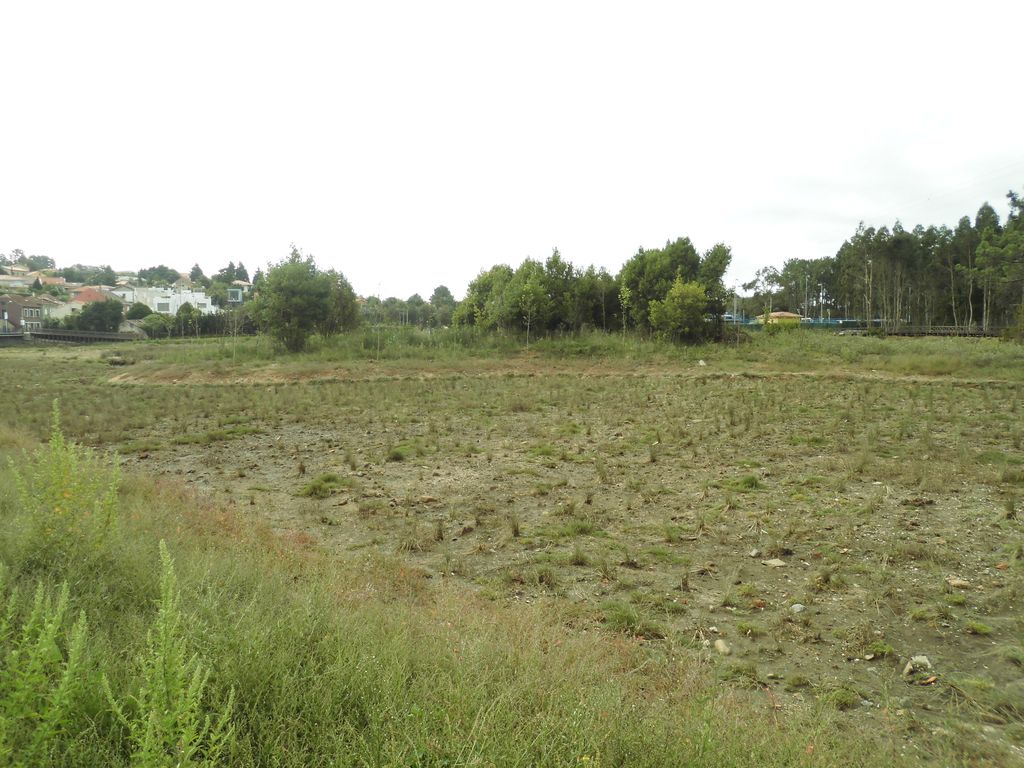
[
  {"x": 556, "y": 296},
  {"x": 231, "y": 272},
  {"x": 137, "y": 311},
  {"x": 971, "y": 275},
  {"x": 159, "y": 275},
  {"x": 190, "y": 322},
  {"x": 97, "y": 316},
  {"x": 681, "y": 314},
  {"x": 157, "y": 326},
  {"x": 33, "y": 263},
  {"x": 82, "y": 273},
  {"x": 296, "y": 300}
]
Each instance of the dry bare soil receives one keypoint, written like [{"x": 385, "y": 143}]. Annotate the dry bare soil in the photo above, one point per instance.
[{"x": 807, "y": 533}]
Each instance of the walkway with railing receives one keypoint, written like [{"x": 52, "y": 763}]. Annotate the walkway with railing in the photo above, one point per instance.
[
  {"x": 943, "y": 330},
  {"x": 79, "y": 337}
]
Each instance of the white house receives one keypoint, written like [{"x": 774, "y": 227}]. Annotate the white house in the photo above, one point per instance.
[{"x": 165, "y": 301}]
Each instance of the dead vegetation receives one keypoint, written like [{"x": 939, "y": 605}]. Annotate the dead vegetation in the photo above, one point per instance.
[{"x": 826, "y": 529}]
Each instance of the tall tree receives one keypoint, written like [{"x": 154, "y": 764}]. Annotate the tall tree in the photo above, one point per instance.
[
  {"x": 294, "y": 298},
  {"x": 98, "y": 316},
  {"x": 529, "y": 304},
  {"x": 766, "y": 281},
  {"x": 34, "y": 263},
  {"x": 343, "y": 308},
  {"x": 988, "y": 257},
  {"x": 162, "y": 275},
  {"x": 485, "y": 305},
  {"x": 710, "y": 275},
  {"x": 226, "y": 274},
  {"x": 649, "y": 275},
  {"x": 442, "y": 306},
  {"x": 106, "y": 276},
  {"x": 187, "y": 317},
  {"x": 558, "y": 279},
  {"x": 416, "y": 310},
  {"x": 965, "y": 244}
]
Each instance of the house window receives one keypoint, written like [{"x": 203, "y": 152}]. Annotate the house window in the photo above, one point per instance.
[
  {"x": 201, "y": 304},
  {"x": 163, "y": 307}
]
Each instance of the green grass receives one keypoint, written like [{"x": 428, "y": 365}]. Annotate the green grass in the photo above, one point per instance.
[
  {"x": 303, "y": 668},
  {"x": 476, "y": 559},
  {"x": 745, "y": 483},
  {"x": 575, "y": 527},
  {"x": 324, "y": 485},
  {"x": 975, "y": 627},
  {"x": 801, "y": 350},
  {"x": 141, "y": 446},
  {"x": 215, "y": 436},
  {"x": 628, "y": 618}
]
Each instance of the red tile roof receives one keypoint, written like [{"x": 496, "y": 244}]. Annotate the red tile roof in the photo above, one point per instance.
[{"x": 85, "y": 295}]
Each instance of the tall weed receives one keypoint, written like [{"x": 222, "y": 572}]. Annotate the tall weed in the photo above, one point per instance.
[
  {"x": 68, "y": 494},
  {"x": 166, "y": 719},
  {"x": 39, "y": 682}
]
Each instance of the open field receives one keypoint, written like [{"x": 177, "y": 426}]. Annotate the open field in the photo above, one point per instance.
[{"x": 790, "y": 520}]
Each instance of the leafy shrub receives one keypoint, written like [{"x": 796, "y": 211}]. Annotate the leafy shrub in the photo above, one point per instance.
[
  {"x": 69, "y": 494},
  {"x": 39, "y": 682}
]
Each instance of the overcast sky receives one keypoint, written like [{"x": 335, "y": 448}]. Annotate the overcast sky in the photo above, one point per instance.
[{"x": 412, "y": 144}]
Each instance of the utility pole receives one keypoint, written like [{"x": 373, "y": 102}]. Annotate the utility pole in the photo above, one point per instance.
[
  {"x": 871, "y": 298},
  {"x": 735, "y": 320},
  {"x": 380, "y": 312},
  {"x": 867, "y": 293}
]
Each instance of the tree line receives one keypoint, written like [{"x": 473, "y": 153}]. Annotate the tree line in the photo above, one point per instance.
[
  {"x": 969, "y": 276},
  {"x": 672, "y": 291}
]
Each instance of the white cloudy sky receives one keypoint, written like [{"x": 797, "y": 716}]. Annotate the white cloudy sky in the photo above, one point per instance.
[{"x": 411, "y": 144}]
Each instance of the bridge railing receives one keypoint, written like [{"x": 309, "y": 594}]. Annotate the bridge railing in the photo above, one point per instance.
[{"x": 58, "y": 334}]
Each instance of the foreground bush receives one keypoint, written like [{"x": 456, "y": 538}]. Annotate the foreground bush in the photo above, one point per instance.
[{"x": 67, "y": 495}]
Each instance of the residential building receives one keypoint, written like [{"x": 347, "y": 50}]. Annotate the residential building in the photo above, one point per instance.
[
  {"x": 15, "y": 281},
  {"x": 88, "y": 293},
  {"x": 45, "y": 279},
  {"x": 22, "y": 313},
  {"x": 165, "y": 301},
  {"x": 79, "y": 298},
  {"x": 238, "y": 291}
]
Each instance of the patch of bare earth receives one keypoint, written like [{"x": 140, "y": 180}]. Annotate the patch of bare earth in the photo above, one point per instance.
[{"x": 809, "y": 535}]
